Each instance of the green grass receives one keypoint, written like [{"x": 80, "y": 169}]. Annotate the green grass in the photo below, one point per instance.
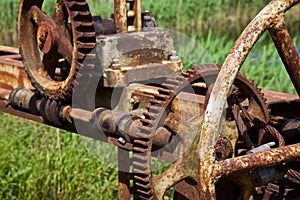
[
  {"x": 39, "y": 162},
  {"x": 263, "y": 64}
]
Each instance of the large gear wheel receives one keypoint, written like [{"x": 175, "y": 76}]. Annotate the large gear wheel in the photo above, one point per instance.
[
  {"x": 143, "y": 179},
  {"x": 55, "y": 47}
]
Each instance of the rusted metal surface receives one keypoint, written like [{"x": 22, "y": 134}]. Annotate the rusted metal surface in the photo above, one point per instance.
[
  {"x": 184, "y": 167},
  {"x": 178, "y": 105},
  {"x": 177, "y": 119},
  {"x": 124, "y": 175},
  {"x": 125, "y": 56},
  {"x": 233, "y": 62},
  {"x": 134, "y": 15},
  {"x": 4, "y": 107},
  {"x": 287, "y": 51},
  {"x": 258, "y": 160},
  {"x": 12, "y": 72},
  {"x": 128, "y": 15},
  {"x": 48, "y": 43},
  {"x": 274, "y": 97},
  {"x": 10, "y": 55},
  {"x": 184, "y": 191},
  {"x": 120, "y": 15}
]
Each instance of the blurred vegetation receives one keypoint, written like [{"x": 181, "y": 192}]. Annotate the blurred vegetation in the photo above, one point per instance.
[
  {"x": 40, "y": 162},
  {"x": 225, "y": 18}
]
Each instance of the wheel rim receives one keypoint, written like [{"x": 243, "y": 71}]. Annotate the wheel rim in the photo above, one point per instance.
[{"x": 53, "y": 49}]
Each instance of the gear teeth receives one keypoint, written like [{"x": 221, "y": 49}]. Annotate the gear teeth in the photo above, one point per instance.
[
  {"x": 84, "y": 41},
  {"x": 140, "y": 158},
  {"x": 78, "y": 64},
  {"x": 144, "y": 186},
  {"x": 258, "y": 92},
  {"x": 173, "y": 81},
  {"x": 80, "y": 14},
  {"x": 156, "y": 102},
  {"x": 155, "y": 106},
  {"x": 88, "y": 35},
  {"x": 142, "y": 149},
  {"x": 147, "y": 122},
  {"x": 144, "y": 94},
  {"x": 139, "y": 165},
  {"x": 169, "y": 86},
  {"x": 138, "y": 178},
  {"x": 77, "y": 4},
  {"x": 84, "y": 24},
  {"x": 86, "y": 45},
  {"x": 143, "y": 133},
  {"x": 149, "y": 115},
  {"x": 82, "y": 56},
  {"x": 144, "y": 195},
  {"x": 146, "y": 131},
  {"x": 139, "y": 171},
  {"x": 161, "y": 97},
  {"x": 141, "y": 142},
  {"x": 164, "y": 91}
]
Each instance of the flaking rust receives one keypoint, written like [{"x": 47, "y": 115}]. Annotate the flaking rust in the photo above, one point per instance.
[{"x": 224, "y": 138}]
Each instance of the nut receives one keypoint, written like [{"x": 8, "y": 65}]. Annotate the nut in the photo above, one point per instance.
[{"x": 122, "y": 141}]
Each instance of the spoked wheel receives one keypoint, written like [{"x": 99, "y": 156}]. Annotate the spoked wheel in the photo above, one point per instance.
[
  {"x": 54, "y": 47},
  {"x": 199, "y": 164},
  {"x": 271, "y": 18},
  {"x": 162, "y": 114}
]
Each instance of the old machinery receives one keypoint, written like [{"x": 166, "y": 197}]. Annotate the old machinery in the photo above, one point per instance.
[{"x": 121, "y": 81}]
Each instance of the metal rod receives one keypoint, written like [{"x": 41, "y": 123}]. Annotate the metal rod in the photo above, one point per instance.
[
  {"x": 258, "y": 160},
  {"x": 120, "y": 16},
  {"x": 287, "y": 52},
  {"x": 212, "y": 119}
]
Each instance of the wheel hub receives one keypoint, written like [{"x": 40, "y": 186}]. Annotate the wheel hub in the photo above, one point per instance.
[
  {"x": 55, "y": 47},
  {"x": 45, "y": 37}
]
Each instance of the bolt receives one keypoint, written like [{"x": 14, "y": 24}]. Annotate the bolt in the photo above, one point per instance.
[
  {"x": 61, "y": 60},
  {"x": 122, "y": 141},
  {"x": 261, "y": 148},
  {"x": 132, "y": 100},
  {"x": 174, "y": 56},
  {"x": 115, "y": 63},
  {"x": 105, "y": 126}
]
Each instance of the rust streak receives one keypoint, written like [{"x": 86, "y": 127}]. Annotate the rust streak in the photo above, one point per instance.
[{"x": 259, "y": 160}]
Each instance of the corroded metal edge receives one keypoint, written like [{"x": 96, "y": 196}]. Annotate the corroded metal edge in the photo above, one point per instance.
[{"x": 210, "y": 128}]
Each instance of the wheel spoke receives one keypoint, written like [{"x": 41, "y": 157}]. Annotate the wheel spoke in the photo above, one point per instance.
[
  {"x": 287, "y": 51},
  {"x": 50, "y": 62},
  {"x": 60, "y": 15},
  {"x": 165, "y": 181},
  {"x": 65, "y": 48},
  {"x": 51, "y": 37},
  {"x": 37, "y": 15}
]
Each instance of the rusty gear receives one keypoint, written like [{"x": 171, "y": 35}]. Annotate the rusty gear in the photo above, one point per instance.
[
  {"x": 53, "y": 50},
  {"x": 154, "y": 118}
]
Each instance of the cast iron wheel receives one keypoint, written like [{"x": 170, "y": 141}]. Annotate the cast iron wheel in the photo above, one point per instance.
[
  {"x": 55, "y": 47},
  {"x": 148, "y": 186}
]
